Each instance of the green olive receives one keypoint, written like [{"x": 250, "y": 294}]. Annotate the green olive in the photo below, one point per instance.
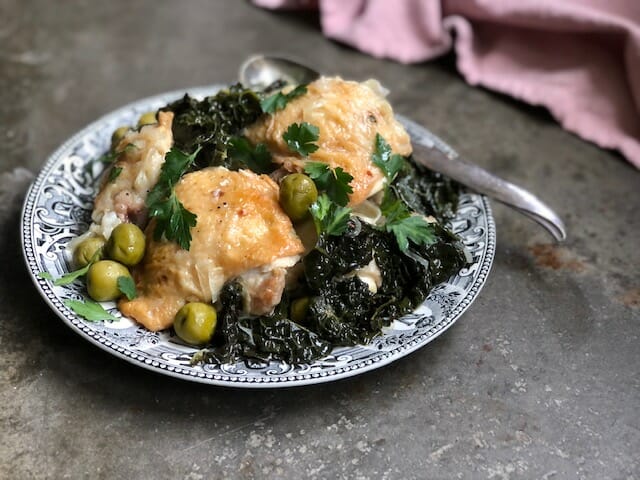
[
  {"x": 298, "y": 309},
  {"x": 85, "y": 251},
  {"x": 148, "y": 118},
  {"x": 126, "y": 244},
  {"x": 102, "y": 280},
  {"x": 195, "y": 323},
  {"x": 297, "y": 194},
  {"x": 118, "y": 135}
]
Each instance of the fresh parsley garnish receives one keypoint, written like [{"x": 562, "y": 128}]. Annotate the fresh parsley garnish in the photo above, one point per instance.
[
  {"x": 404, "y": 225},
  {"x": 335, "y": 182},
  {"x": 389, "y": 163},
  {"x": 114, "y": 173},
  {"x": 110, "y": 156},
  {"x": 90, "y": 310},
  {"x": 127, "y": 287},
  {"x": 70, "y": 277},
  {"x": 172, "y": 219},
  {"x": 300, "y": 138},
  {"x": 329, "y": 217},
  {"x": 257, "y": 158},
  {"x": 279, "y": 100}
]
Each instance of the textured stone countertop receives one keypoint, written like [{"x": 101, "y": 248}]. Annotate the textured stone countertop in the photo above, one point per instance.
[{"x": 540, "y": 378}]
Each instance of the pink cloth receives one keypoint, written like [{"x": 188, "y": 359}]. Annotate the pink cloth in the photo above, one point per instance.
[{"x": 578, "y": 58}]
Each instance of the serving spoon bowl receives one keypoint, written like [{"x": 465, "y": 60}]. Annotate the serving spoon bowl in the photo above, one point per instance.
[{"x": 259, "y": 71}]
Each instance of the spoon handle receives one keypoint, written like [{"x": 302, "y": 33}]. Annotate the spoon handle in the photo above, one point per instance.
[{"x": 486, "y": 183}]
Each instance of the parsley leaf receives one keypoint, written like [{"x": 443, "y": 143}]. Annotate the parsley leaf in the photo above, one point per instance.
[
  {"x": 113, "y": 155},
  {"x": 279, "y": 100},
  {"x": 414, "y": 228},
  {"x": 110, "y": 156},
  {"x": 389, "y": 163},
  {"x": 114, "y": 173},
  {"x": 70, "y": 277},
  {"x": 300, "y": 138},
  {"x": 404, "y": 225},
  {"x": 257, "y": 159},
  {"x": 90, "y": 310},
  {"x": 334, "y": 182},
  {"x": 172, "y": 219},
  {"x": 329, "y": 217},
  {"x": 127, "y": 287}
]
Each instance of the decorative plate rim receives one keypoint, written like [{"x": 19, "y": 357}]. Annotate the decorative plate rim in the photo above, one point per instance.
[{"x": 189, "y": 373}]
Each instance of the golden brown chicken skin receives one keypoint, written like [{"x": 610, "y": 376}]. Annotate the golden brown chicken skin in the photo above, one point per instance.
[
  {"x": 241, "y": 233},
  {"x": 348, "y": 114}
]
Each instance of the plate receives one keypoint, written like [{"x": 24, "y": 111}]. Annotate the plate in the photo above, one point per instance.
[{"x": 58, "y": 208}]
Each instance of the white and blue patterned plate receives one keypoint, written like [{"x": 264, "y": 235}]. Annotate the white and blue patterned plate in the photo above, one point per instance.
[{"x": 58, "y": 208}]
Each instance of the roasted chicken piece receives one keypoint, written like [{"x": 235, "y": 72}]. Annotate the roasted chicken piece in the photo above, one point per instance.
[
  {"x": 348, "y": 114},
  {"x": 241, "y": 233},
  {"x": 123, "y": 198}
]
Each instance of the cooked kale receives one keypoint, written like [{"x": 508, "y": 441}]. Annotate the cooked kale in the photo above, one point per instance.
[
  {"x": 262, "y": 338},
  {"x": 427, "y": 192},
  {"x": 342, "y": 310},
  {"x": 212, "y": 122}
]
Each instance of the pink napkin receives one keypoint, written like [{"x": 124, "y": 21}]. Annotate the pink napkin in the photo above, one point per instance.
[{"x": 578, "y": 58}]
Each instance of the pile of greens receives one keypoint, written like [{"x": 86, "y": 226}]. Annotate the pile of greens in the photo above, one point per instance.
[{"x": 330, "y": 306}]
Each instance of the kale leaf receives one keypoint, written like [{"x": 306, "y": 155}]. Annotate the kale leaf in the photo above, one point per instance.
[
  {"x": 261, "y": 338},
  {"x": 209, "y": 124},
  {"x": 427, "y": 192}
]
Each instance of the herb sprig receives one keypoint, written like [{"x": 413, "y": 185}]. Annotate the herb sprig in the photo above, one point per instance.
[
  {"x": 329, "y": 217},
  {"x": 404, "y": 225},
  {"x": 114, "y": 173},
  {"x": 127, "y": 287},
  {"x": 70, "y": 277},
  {"x": 330, "y": 212},
  {"x": 90, "y": 310},
  {"x": 335, "y": 182},
  {"x": 110, "y": 157},
  {"x": 301, "y": 138},
  {"x": 173, "y": 220},
  {"x": 399, "y": 220},
  {"x": 256, "y": 158},
  {"x": 390, "y": 163},
  {"x": 279, "y": 100}
]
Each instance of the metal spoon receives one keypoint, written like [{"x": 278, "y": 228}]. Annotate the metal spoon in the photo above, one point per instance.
[{"x": 260, "y": 71}]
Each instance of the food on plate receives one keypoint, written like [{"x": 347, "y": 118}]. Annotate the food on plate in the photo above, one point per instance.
[
  {"x": 241, "y": 234},
  {"x": 195, "y": 323},
  {"x": 271, "y": 224},
  {"x": 348, "y": 115},
  {"x": 139, "y": 157},
  {"x": 126, "y": 244},
  {"x": 89, "y": 249},
  {"x": 102, "y": 280}
]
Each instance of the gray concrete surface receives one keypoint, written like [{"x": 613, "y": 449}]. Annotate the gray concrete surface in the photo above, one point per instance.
[{"x": 539, "y": 379}]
